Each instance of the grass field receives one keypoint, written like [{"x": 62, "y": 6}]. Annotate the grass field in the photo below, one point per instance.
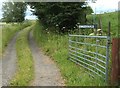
[
  {"x": 7, "y": 31},
  {"x": 25, "y": 71},
  {"x": 105, "y": 18}
]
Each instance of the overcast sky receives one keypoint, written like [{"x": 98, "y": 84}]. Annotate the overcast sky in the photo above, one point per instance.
[
  {"x": 100, "y": 6},
  {"x": 104, "y": 5}
]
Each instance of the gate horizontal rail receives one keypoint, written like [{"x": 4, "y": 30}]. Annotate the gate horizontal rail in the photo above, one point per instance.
[
  {"x": 87, "y": 64},
  {"x": 88, "y": 44},
  {"x": 89, "y": 51},
  {"x": 90, "y": 60},
  {"x": 85, "y": 36}
]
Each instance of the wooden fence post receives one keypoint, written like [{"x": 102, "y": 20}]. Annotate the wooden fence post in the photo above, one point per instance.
[{"x": 115, "y": 74}]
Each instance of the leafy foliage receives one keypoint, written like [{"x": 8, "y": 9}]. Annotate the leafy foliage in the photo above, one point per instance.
[
  {"x": 64, "y": 15},
  {"x": 13, "y": 11}
]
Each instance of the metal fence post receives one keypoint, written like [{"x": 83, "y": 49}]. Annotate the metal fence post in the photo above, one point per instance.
[
  {"x": 69, "y": 46},
  {"x": 107, "y": 53},
  {"x": 96, "y": 51}
]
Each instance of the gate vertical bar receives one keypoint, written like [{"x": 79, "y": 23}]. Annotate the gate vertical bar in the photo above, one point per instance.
[
  {"x": 69, "y": 47},
  {"x": 96, "y": 46},
  {"x": 96, "y": 52},
  {"x": 107, "y": 52}
]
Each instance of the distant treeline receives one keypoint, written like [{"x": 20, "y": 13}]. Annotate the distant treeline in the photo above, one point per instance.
[{"x": 63, "y": 15}]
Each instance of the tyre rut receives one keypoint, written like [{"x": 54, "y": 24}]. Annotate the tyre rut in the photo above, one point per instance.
[
  {"x": 8, "y": 62},
  {"x": 46, "y": 72}
]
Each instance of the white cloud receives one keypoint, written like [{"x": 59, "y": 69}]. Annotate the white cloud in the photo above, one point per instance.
[
  {"x": 31, "y": 17},
  {"x": 29, "y": 14},
  {"x": 104, "y": 5},
  {"x": 3, "y": 1}
]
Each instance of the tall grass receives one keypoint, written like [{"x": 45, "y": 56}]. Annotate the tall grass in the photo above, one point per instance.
[
  {"x": 25, "y": 71},
  {"x": 7, "y": 31},
  {"x": 0, "y": 41},
  {"x": 56, "y": 46}
]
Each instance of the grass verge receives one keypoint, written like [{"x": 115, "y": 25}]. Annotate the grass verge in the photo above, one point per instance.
[
  {"x": 7, "y": 31},
  {"x": 25, "y": 70},
  {"x": 0, "y": 41},
  {"x": 56, "y": 46}
]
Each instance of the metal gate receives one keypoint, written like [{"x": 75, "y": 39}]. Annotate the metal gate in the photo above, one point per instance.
[{"x": 91, "y": 52}]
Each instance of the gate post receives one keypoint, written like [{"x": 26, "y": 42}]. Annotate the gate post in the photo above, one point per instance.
[{"x": 115, "y": 74}]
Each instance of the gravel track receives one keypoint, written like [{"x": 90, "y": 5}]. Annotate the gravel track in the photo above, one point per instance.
[
  {"x": 46, "y": 72},
  {"x": 8, "y": 62}
]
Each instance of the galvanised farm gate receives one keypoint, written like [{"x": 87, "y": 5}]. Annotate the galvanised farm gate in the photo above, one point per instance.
[{"x": 91, "y": 51}]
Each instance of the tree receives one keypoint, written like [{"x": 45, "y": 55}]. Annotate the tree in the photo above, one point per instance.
[
  {"x": 7, "y": 11},
  {"x": 63, "y": 14},
  {"x": 13, "y": 11}
]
